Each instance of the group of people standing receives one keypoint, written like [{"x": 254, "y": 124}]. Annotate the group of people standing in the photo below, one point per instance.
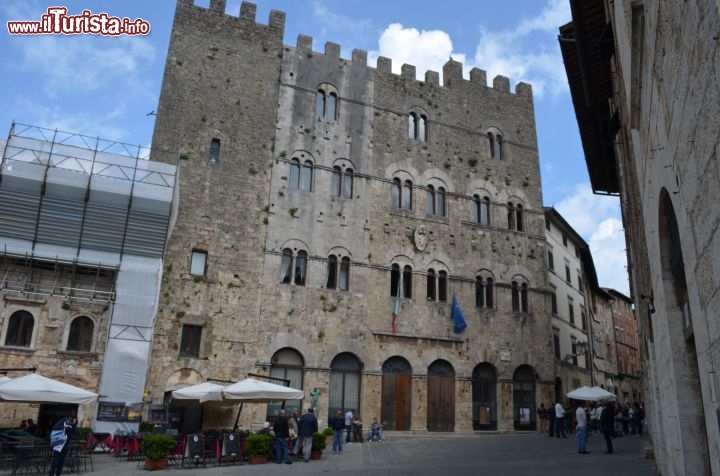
[{"x": 559, "y": 420}]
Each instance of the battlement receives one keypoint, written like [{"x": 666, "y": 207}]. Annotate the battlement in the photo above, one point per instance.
[
  {"x": 452, "y": 70},
  {"x": 246, "y": 15}
]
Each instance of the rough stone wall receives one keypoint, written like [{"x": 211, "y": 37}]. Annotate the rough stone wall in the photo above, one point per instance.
[
  {"x": 48, "y": 352},
  {"x": 244, "y": 219},
  {"x": 669, "y": 105}
]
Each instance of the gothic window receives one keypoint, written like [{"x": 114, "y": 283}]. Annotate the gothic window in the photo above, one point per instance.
[
  {"x": 395, "y": 193},
  {"x": 484, "y": 292},
  {"x": 342, "y": 182},
  {"x": 481, "y": 210},
  {"x": 214, "y": 158},
  {"x": 325, "y": 105},
  {"x": 287, "y": 363},
  {"x": 519, "y": 224},
  {"x": 515, "y": 216},
  {"x": 198, "y": 263},
  {"x": 394, "y": 280},
  {"x": 338, "y": 273},
  {"x": 81, "y": 334},
  {"x": 431, "y": 281},
  {"x": 437, "y": 285},
  {"x": 499, "y": 146},
  {"x": 440, "y": 202},
  {"x": 20, "y": 329},
  {"x": 190, "y": 341},
  {"x": 491, "y": 144},
  {"x": 511, "y": 216},
  {"x": 401, "y": 194},
  {"x": 442, "y": 286},
  {"x": 519, "y": 296},
  {"x": 293, "y": 267},
  {"x": 417, "y": 127},
  {"x": 430, "y": 200},
  {"x": 407, "y": 195}
]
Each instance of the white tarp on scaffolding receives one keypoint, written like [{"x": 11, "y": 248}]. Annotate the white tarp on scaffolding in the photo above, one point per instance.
[{"x": 84, "y": 200}]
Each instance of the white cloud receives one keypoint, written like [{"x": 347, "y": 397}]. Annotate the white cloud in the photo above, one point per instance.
[
  {"x": 426, "y": 50},
  {"x": 597, "y": 219}
]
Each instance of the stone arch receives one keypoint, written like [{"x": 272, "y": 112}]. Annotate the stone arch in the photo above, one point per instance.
[
  {"x": 675, "y": 311},
  {"x": 396, "y": 394},
  {"x": 524, "y": 380},
  {"x": 484, "y": 396}
]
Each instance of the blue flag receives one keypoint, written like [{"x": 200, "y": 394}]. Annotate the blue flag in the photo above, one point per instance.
[{"x": 457, "y": 316}]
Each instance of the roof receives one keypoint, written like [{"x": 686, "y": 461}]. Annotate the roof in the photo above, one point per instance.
[{"x": 586, "y": 45}]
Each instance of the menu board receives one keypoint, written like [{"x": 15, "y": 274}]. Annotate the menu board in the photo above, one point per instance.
[{"x": 120, "y": 411}]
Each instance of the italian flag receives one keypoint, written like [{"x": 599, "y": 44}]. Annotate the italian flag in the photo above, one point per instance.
[{"x": 396, "y": 307}]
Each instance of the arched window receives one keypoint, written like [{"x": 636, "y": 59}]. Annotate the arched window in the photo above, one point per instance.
[
  {"x": 81, "y": 334},
  {"x": 519, "y": 296},
  {"x": 338, "y": 273},
  {"x": 406, "y": 195},
  {"x": 325, "y": 105},
  {"x": 524, "y": 398},
  {"x": 500, "y": 146},
  {"x": 287, "y": 364},
  {"x": 394, "y": 280},
  {"x": 345, "y": 378},
  {"x": 341, "y": 184},
  {"x": 481, "y": 210},
  {"x": 20, "y": 329},
  {"x": 515, "y": 296},
  {"x": 407, "y": 281},
  {"x": 296, "y": 273},
  {"x": 395, "y": 193},
  {"x": 524, "y": 297},
  {"x": 437, "y": 285},
  {"x": 294, "y": 174},
  {"x": 491, "y": 144},
  {"x": 306, "y": 176},
  {"x": 417, "y": 127},
  {"x": 489, "y": 293},
  {"x": 430, "y": 200}
]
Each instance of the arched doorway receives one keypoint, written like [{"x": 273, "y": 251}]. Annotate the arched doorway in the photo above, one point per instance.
[
  {"x": 396, "y": 394},
  {"x": 441, "y": 396},
  {"x": 524, "y": 398},
  {"x": 344, "y": 384},
  {"x": 681, "y": 339},
  {"x": 484, "y": 397},
  {"x": 288, "y": 364}
]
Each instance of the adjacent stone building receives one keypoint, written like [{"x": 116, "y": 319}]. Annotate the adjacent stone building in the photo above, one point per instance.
[
  {"x": 644, "y": 79},
  {"x": 329, "y": 214}
]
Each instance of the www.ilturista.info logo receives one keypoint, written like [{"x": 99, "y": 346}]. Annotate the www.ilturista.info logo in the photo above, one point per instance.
[{"x": 57, "y": 22}]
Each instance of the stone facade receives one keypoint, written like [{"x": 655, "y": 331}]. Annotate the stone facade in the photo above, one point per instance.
[
  {"x": 290, "y": 161},
  {"x": 663, "y": 78},
  {"x": 629, "y": 385}
]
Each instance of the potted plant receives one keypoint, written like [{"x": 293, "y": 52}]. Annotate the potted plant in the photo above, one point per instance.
[
  {"x": 156, "y": 449},
  {"x": 257, "y": 448},
  {"x": 328, "y": 434},
  {"x": 318, "y": 444}
]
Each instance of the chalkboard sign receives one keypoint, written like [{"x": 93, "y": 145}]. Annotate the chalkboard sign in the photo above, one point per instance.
[{"x": 231, "y": 445}]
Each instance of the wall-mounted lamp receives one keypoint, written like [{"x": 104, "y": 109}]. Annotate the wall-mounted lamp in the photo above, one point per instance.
[{"x": 650, "y": 302}]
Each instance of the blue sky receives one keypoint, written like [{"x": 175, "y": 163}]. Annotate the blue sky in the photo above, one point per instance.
[{"x": 106, "y": 86}]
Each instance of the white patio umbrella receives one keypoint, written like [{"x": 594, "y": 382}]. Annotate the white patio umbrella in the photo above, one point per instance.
[
  {"x": 592, "y": 394},
  {"x": 4, "y": 378},
  {"x": 36, "y": 388},
  {"x": 201, "y": 393},
  {"x": 251, "y": 390}
]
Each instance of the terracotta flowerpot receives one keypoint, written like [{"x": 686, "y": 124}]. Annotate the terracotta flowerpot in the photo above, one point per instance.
[
  {"x": 315, "y": 454},
  {"x": 257, "y": 459},
  {"x": 156, "y": 464}
]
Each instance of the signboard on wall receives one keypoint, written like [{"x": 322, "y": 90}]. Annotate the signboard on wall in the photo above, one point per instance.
[{"x": 120, "y": 411}]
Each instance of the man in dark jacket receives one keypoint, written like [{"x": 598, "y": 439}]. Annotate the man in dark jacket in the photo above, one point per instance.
[
  {"x": 282, "y": 433},
  {"x": 60, "y": 449},
  {"x": 607, "y": 425},
  {"x": 306, "y": 427},
  {"x": 337, "y": 423}
]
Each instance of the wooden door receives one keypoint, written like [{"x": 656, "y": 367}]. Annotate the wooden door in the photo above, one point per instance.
[
  {"x": 396, "y": 395},
  {"x": 440, "y": 403}
]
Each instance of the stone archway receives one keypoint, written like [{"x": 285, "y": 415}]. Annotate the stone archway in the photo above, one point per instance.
[
  {"x": 441, "y": 396},
  {"x": 396, "y": 394}
]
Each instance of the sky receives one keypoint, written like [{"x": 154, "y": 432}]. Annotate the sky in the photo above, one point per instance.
[{"x": 107, "y": 86}]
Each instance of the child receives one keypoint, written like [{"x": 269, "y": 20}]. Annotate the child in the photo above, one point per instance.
[{"x": 375, "y": 431}]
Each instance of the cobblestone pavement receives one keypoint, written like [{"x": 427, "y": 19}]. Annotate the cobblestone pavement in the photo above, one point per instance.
[{"x": 487, "y": 454}]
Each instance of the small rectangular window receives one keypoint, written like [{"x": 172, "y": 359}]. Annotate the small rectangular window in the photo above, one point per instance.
[
  {"x": 214, "y": 158},
  {"x": 198, "y": 263},
  {"x": 564, "y": 240},
  {"x": 190, "y": 341},
  {"x": 553, "y": 298},
  {"x": 556, "y": 345}
]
